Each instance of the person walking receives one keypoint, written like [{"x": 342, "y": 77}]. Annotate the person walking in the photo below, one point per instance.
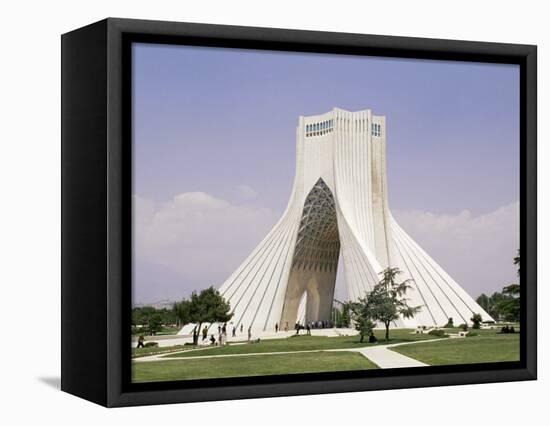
[
  {"x": 204, "y": 333},
  {"x": 276, "y": 327},
  {"x": 241, "y": 327},
  {"x": 224, "y": 334},
  {"x": 234, "y": 332},
  {"x": 308, "y": 329},
  {"x": 140, "y": 344},
  {"x": 249, "y": 333}
]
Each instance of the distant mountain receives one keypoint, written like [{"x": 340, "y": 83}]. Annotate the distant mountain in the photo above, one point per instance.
[{"x": 162, "y": 304}]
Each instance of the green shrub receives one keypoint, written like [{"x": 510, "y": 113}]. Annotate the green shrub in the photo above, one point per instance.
[
  {"x": 463, "y": 327},
  {"x": 438, "y": 333},
  {"x": 476, "y": 321},
  {"x": 449, "y": 324},
  {"x": 151, "y": 344}
]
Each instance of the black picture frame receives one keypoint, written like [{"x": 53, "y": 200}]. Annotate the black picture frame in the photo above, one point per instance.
[{"x": 96, "y": 211}]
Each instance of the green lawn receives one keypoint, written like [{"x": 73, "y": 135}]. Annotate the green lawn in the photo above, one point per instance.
[
  {"x": 304, "y": 343},
  {"x": 488, "y": 346},
  {"x": 259, "y": 365}
]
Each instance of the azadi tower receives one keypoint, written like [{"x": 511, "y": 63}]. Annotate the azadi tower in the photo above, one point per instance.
[{"x": 338, "y": 206}]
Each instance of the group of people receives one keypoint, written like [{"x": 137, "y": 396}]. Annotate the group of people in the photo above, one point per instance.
[
  {"x": 321, "y": 324},
  {"x": 507, "y": 329},
  {"x": 299, "y": 327},
  {"x": 308, "y": 327},
  {"x": 222, "y": 334},
  {"x": 277, "y": 326},
  {"x": 222, "y": 330}
]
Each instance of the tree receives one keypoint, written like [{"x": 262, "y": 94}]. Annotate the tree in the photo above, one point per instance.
[
  {"x": 504, "y": 305},
  {"x": 207, "y": 306},
  {"x": 494, "y": 305},
  {"x": 141, "y": 315},
  {"x": 484, "y": 301},
  {"x": 449, "y": 324},
  {"x": 154, "y": 324},
  {"x": 511, "y": 290},
  {"x": 387, "y": 300},
  {"x": 147, "y": 319},
  {"x": 476, "y": 320},
  {"x": 182, "y": 312},
  {"x": 362, "y": 315},
  {"x": 168, "y": 316},
  {"x": 343, "y": 317},
  {"x": 510, "y": 306},
  {"x": 497, "y": 305}
]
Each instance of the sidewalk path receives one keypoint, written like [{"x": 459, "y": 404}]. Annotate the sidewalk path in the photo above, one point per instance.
[
  {"x": 386, "y": 358},
  {"x": 161, "y": 357}
]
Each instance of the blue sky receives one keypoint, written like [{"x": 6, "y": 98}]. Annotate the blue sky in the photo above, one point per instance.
[{"x": 222, "y": 122}]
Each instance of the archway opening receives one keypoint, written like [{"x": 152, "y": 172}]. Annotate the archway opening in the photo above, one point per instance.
[{"x": 315, "y": 260}]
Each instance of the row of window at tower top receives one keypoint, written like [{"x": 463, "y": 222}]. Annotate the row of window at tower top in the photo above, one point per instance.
[
  {"x": 319, "y": 128},
  {"x": 327, "y": 126}
]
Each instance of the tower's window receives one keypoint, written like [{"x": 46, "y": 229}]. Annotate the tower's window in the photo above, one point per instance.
[{"x": 322, "y": 127}]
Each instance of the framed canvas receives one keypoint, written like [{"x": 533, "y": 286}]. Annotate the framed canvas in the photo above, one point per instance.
[{"x": 256, "y": 212}]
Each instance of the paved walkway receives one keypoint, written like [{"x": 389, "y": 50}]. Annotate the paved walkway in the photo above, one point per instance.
[
  {"x": 161, "y": 357},
  {"x": 381, "y": 355},
  {"x": 384, "y": 357}
]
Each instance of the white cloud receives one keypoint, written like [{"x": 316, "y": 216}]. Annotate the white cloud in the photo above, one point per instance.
[
  {"x": 476, "y": 251},
  {"x": 247, "y": 192},
  {"x": 195, "y": 238}
]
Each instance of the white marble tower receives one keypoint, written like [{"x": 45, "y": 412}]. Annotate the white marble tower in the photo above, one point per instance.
[{"x": 338, "y": 206}]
